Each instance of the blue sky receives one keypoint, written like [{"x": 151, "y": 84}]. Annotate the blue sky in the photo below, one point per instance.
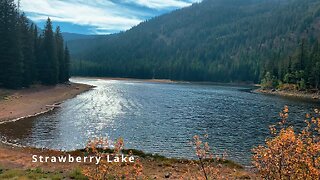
[{"x": 98, "y": 16}]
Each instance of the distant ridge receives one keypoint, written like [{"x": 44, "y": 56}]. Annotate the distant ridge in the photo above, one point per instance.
[
  {"x": 74, "y": 36},
  {"x": 216, "y": 40}
]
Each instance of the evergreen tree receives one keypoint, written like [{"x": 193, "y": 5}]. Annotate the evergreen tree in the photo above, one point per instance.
[
  {"x": 26, "y": 57},
  {"x": 37, "y": 49},
  {"x": 10, "y": 46},
  {"x": 60, "y": 54},
  {"x": 48, "y": 63},
  {"x": 66, "y": 65},
  {"x": 235, "y": 41},
  {"x": 29, "y": 66}
]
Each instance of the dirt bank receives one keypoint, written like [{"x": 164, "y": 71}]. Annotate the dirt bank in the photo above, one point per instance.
[
  {"x": 304, "y": 95},
  {"x": 16, "y": 104},
  {"x": 154, "y": 167}
]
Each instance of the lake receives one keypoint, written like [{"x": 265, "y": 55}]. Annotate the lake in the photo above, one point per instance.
[{"x": 159, "y": 118}]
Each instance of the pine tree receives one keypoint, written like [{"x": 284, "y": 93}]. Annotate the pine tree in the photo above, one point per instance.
[
  {"x": 49, "y": 62},
  {"x": 60, "y": 54},
  {"x": 26, "y": 57},
  {"x": 10, "y": 46},
  {"x": 313, "y": 67},
  {"x": 36, "y": 48},
  {"x": 66, "y": 64},
  {"x": 29, "y": 67}
]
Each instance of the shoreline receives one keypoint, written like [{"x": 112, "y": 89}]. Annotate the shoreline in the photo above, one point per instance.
[
  {"x": 154, "y": 166},
  {"x": 34, "y": 101},
  {"x": 21, "y": 104},
  {"x": 302, "y": 95},
  {"x": 30, "y": 116},
  {"x": 169, "y": 81}
]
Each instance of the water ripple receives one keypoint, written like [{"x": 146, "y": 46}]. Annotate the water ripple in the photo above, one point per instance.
[{"x": 158, "y": 118}]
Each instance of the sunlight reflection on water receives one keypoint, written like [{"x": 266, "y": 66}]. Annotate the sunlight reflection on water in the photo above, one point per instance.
[{"x": 158, "y": 118}]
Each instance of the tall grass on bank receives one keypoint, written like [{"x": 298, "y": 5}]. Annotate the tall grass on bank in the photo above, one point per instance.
[{"x": 288, "y": 154}]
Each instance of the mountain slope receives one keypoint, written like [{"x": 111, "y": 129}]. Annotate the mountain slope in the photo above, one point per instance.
[
  {"x": 216, "y": 40},
  {"x": 73, "y": 36}
]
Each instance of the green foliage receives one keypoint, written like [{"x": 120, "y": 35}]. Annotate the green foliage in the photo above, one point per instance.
[
  {"x": 26, "y": 57},
  {"x": 305, "y": 73},
  {"x": 32, "y": 174},
  {"x": 302, "y": 85},
  {"x": 269, "y": 81},
  {"x": 60, "y": 54},
  {"x": 11, "y": 59},
  {"x": 49, "y": 62},
  {"x": 289, "y": 78},
  {"x": 77, "y": 174},
  {"x": 66, "y": 65}
]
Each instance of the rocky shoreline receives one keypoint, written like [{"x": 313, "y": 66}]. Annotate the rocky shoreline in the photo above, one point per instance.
[{"x": 305, "y": 95}]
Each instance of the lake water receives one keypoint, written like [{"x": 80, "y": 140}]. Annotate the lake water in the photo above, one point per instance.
[{"x": 158, "y": 118}]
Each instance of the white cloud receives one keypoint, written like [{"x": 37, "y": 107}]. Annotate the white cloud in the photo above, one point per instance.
[
  {"x": 103, "y": 15},
  {"x": 161, "y": 4},
  {"x": 81, "y": 13}
]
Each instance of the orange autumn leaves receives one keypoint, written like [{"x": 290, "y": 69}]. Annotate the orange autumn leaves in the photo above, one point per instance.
[
  {"x": 290, "y": 155},
  {"x": 106, "y": 170},
  {"x": 287, "y": 154}
]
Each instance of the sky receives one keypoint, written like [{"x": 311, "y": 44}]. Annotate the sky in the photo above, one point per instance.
[{"x": 98, "y": 16}]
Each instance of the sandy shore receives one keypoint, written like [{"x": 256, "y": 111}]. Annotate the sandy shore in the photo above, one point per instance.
[
  {"x": 313, "y": 96},
  {"x": 15, "y": 104}
]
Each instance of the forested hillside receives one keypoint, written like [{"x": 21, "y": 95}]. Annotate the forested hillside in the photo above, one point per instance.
[
  {"x": 27, "y": 55},
  {"x": 74, "y": 36},
  {"x": 216, "y": 40}
]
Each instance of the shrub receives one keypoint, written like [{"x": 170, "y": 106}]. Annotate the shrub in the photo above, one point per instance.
[
  {"x": 77, "y": 174},
  {"x": 288, "y": 87},
  {"x": 269, "y": 81},
  {"x": 209, "y": 164},
  {"x": 302, "y": 84},
  {"x": 106, "y": 170},
  {"x": 290, "y": 155}
]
